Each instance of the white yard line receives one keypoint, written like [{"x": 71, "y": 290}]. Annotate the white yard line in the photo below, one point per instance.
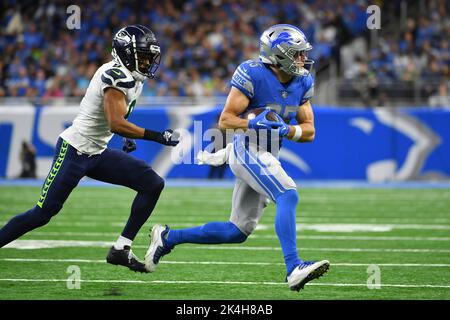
[
  {"x": 354, "y": 238},
  {"x": 371, "y": 195},
  {"x": 434, "y": 265},
  {"x": 320, "y": 227},
  {"x": 255, "y": 236},
  {"x": 368, "y": 222},
  {"x": 226, "y": 283},
  {"x": 321, "y": 249},
  {"x": 46, "y": 244}
]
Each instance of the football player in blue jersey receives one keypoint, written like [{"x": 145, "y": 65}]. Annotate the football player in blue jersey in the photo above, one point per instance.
[
  {"x": 280, "y": 83},
  {"x": 82, "y": 149}
]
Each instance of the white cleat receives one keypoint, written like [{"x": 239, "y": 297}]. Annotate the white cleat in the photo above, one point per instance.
[
  {"x": 305, "y": 272},
  {"x": 157, "y": 248}
]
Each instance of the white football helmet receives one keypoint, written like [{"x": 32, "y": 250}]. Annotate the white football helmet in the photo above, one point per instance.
[{"x": 281, "y": 44}]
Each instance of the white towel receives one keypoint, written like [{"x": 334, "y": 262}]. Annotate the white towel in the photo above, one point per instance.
[{"x": 214, "y": 159}]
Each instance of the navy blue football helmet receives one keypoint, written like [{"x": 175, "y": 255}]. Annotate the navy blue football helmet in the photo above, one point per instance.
[{"x": 137, "y": 49}]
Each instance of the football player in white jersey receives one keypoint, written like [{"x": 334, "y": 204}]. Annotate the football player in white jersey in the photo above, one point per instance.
[{"x": 82, "y": 149}]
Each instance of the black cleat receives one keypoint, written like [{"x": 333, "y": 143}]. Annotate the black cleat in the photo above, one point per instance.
[{"x": 125, "y": 258}]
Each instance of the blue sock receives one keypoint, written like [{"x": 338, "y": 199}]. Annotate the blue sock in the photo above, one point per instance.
[
  {"x": 286, "y": 229},
  {"x": 210, "y": 233}
]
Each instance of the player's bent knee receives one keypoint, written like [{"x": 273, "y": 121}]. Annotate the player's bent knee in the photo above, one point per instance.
[
  {"x": 237, "y": 236},
  {"x": 249, "y": 227},
  {"x": 159, "y": 184},
  {"x": 245, "y": 226},
  {"x": 153, "y": 183}
]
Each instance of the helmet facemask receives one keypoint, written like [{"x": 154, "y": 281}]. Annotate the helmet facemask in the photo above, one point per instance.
[
  {"x": 146, "y": 60},
  {"x": 289, "y": 62},
  {"x": 281, "y": 45}
]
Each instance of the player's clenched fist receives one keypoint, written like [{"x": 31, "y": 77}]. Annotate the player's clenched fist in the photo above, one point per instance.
[
  {"x": 129, "y": 145},
  {"x": 167, "y": 137}
]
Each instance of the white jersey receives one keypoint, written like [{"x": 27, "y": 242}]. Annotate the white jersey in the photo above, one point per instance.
[{"x": 89, "y": 132}]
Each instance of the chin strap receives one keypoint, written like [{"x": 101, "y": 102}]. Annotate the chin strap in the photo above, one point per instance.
[{"x": 116, "y": 57}]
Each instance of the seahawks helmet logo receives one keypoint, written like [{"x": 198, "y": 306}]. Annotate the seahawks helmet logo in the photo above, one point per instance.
[{"x": 122, "y": 35}]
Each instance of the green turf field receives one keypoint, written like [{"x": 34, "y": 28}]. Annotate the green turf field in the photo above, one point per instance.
[{"x": 405, "y": 233}]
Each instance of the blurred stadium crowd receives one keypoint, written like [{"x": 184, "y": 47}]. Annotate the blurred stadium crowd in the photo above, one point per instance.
[{"x": 203, "y": 41}]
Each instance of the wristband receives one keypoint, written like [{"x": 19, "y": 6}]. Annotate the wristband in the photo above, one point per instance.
[
  {"x": 151, "y": 135},
  {"x": 298, "y": 133}
]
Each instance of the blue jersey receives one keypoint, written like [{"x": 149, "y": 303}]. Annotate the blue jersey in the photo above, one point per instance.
[
  {"x": 261, "y": 86},
  {"x": 264, "y": 90}
]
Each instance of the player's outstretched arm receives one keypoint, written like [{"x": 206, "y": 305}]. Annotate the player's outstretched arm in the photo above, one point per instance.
[
  {"x": 115, "y": 109},
  {"x": 236, "y": 104}
]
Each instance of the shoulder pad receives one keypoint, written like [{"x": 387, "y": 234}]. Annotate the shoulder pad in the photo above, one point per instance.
[
  {"x": 117, "y": 78},
  {"x": 308, "y": 83},
  {"x": 116, "y": 73},
  {"x": 245, "y": 76}
]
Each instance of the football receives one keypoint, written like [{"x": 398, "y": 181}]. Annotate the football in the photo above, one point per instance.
[{"x": 254, "y": 112}]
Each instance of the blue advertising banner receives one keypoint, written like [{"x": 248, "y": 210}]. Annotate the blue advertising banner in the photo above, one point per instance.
[{"x": 365, "y": 144}]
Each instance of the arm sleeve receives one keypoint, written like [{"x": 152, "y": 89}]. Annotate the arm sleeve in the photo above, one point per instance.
[
  {"x": 309, "y": 92},
  {"x": 243, "y": 81},
  {"x": 115, "y": 78}
]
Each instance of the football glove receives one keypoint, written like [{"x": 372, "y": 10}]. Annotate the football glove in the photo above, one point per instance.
[
  {"x": 283, "y": 130},
  {"x": 166, "y": 137},
  {"x": 129, "y": 145},
  {"x": 260, "y": 122}
]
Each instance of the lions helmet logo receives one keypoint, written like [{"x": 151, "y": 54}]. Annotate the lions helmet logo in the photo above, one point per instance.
[{"x": 282, "y": 37}]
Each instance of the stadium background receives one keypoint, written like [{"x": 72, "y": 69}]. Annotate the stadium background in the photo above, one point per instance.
[
  {"x": 361, "y": 75},
  {"x": 382, "y": 110}
]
